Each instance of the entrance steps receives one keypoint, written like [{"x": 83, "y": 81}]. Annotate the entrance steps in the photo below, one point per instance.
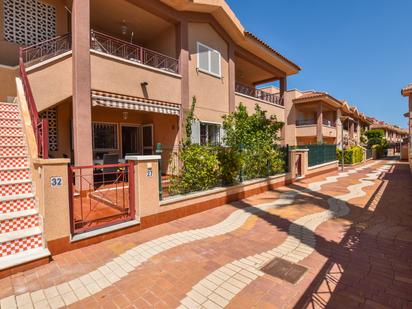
[{"x": 21, "y": 226}]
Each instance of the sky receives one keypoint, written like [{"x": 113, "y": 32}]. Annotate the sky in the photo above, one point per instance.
[{"x": 356, "y": 50}]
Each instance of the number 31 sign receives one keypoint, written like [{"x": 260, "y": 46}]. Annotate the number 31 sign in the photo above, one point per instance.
[{"x": 56, "y": 181}]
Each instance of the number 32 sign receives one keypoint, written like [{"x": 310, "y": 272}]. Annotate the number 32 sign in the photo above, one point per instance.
[{"x": 56, "y": 181}]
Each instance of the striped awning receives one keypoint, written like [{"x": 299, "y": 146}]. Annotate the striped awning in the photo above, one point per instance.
[{"x": 106, "y": 99}]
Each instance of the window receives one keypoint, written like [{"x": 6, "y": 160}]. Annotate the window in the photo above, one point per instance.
[
  {"x": 104, "y": 136},
  {"x": 208, "y": 60},
  {"x": 209, "y": 134},
  {"x": 28, "y": 22}
]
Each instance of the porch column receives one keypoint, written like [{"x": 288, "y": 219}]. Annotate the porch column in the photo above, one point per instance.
[
  {"x": 339, "y": 125},
  {"x": 183, "y": 52},
  {"x": 319, "y": 126},
  {"x": 232, "y": 77},
  {"x": 82, "y": 112},
  {"x": 351, "y": 128},
  {"x": 282, "y": 87}
]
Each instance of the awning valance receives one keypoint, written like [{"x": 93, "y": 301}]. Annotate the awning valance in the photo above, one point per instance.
[{"x": 106, "y": 99}]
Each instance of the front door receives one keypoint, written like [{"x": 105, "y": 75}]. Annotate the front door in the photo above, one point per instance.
[
  {"x": 147, "y": 138},
  {"x": 131, "y": 144}
]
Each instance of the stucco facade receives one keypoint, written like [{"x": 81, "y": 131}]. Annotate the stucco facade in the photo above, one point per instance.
[
  {"x": 152, "y": 62},
  {"x": 314, "y": 117},
  {"x": 407, "y": 92}
]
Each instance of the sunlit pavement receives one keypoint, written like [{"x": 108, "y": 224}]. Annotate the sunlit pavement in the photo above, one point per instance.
[{"x": 363, "y": 259}]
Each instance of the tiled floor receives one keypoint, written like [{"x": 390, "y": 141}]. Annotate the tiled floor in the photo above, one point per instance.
[{"x": 361, "y": 260}]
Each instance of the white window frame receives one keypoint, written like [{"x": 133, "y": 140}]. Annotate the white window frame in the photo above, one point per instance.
[
  {"x": 219, "y": 125},
  {"x": 209, "y": 60}
]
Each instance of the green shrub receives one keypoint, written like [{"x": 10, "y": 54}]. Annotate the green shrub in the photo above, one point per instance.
[
  {"x": 200, "y": 170},
  {"x": 352, "y": 155},
  {"x": 230, "y": 162}
]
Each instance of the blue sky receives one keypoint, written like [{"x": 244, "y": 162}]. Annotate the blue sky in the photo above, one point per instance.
[{"x": 357, "y": 50}]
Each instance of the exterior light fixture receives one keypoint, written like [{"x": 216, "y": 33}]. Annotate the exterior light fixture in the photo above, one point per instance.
[
  {"x": 125, "y": 115},
  {"x": 124, "y": 27}
]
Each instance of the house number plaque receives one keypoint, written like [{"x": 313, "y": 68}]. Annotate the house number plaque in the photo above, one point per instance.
[{"x": 56, "y": 181}]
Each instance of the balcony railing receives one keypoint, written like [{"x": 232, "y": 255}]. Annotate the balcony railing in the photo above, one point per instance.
[
  {"x": 329, "y": 123},
  {"x": 122, "y": 49},
  {"x": 46, "y": 49},
  {"x": 305, "y": 122},
  {"x": 259, "y": 94},
  {"x": 40, "y": 126}
]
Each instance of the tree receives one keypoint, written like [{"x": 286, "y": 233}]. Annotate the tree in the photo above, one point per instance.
[
  {"x": 376, "y": 137},
  {"x": 255, "y": 136}
]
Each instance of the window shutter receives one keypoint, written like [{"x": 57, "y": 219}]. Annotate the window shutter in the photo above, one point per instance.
[
  {"x": 222, "y": 136},
  {"x": 195, "y": 132},
  {"x": 203, "y": 54},
  {"x": 215, "y": 62}
]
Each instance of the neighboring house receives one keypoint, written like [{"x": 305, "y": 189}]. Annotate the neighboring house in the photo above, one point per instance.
[
  {"x": 407, "y": 92},
  {"x": 117, "y": 77},
  {"x": 393, "y": 134},
  {"x": 314, "y": 117}
]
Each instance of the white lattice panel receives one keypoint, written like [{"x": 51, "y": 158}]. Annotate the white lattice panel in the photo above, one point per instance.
[
  {"x": 51, "y": 116},
  {"x": 28, "y": 22}
]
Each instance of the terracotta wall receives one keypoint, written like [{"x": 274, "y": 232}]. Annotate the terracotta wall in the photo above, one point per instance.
[
  {"x": 51, "y": 83},
  {"x": 7, "y": 82},
  {"x": 164, "y": 43},
  {"x": 212, "y": 93},
  {"x": 271, "y": 109},
  {"x": 9, "y": 51},
  {"x": 119, "y": 76}
]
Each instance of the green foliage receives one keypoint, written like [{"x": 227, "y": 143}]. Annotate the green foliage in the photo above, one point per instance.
[
  {"x": 249, "y": 140},
  {"x": 380, "y": 150},
  {"x": 363, "y": 137},
  {"x": 230, "y": 161},
  {"x": 200, "y": 170},
  {"x": 190, "y": 117},
  {"x": 254, "y": 136},
  {"x": 352, "y": 155},
  {"x": 250, "y": 130},
  {"x": 375, "y": 137}
]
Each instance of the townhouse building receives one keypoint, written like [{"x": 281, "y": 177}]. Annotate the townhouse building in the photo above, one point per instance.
[
  {"x": 98, "y": 81},
  {"x": 314, "y": 117},
  {"x": 393, "y": 134},
  {"x": 407, "y": 92},
  {"x": 118, "y": 76}
]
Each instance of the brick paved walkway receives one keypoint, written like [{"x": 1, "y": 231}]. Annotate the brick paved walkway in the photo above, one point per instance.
[{"x": 363, "y": 259}]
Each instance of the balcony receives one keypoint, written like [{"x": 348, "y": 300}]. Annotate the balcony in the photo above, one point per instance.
[
  {"x": 329, "y": 123},
  {"x": 258, "y": 94},
  {"x": 305, "y": 122},
  {"x": 112, "y": 46},
  {"x": 102, "y": 43}
]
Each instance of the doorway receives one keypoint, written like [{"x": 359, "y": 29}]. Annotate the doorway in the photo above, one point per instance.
[
  {"x": 131, "y": 141},
  {"x": 148, "y": 143}
]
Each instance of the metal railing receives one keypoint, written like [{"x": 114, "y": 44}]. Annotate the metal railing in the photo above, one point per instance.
[
  {"x": 257, "y": 164},
  {"x": 40, "y": 126},
  {"x": 47, "y": 49},
  {"x": 273, "y": 98},
  {"x": 100, "y": 196},
  {"x": 319, "y": 154},
  {"x": 305, "y": 122},
  {"x": 122, "y": 49}
]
